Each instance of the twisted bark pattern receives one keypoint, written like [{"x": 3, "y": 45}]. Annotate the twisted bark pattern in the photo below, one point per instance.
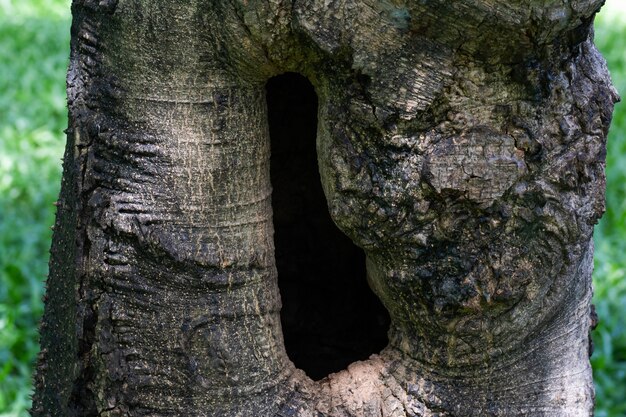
[{"x": 460, "y": 144}]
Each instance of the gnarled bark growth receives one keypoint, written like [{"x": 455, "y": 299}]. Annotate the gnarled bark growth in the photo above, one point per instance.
[{"x": 460, "y": 145}]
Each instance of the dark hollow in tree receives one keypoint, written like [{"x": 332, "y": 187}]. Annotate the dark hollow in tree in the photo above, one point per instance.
[{"x": 330, "y": 317}]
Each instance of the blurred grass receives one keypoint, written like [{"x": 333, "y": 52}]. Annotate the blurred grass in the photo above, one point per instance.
[
  {"x": 609, "y": 359},
  {"x": 34, "y": 45}
]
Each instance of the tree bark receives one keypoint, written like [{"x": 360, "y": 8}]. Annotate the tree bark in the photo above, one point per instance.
[{"x": 460, "y": 144}]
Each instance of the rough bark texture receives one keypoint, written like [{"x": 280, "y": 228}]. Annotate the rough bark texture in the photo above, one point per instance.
[{"x": 460, "y": 144}]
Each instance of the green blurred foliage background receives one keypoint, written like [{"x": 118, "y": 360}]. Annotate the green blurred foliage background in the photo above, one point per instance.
[
  {"x": 34, "y": 47},
  {"x": 609, "y": 358}
]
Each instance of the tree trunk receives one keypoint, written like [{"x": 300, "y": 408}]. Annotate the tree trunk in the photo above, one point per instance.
[{"x": 460, "y": 144}]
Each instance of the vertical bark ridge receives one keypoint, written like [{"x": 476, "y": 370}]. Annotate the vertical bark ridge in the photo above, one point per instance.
[
  {"x": 178, "y": 289},
  {"x": 474, "y": 201},
  {"x": 191, "y": 305}
]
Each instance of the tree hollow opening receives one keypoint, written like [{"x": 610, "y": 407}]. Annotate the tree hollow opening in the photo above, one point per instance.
[{"x": 330, "y": 317}]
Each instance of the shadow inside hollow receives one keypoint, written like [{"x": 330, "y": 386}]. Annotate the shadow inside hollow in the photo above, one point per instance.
[{"x": 330, "y": 317}]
